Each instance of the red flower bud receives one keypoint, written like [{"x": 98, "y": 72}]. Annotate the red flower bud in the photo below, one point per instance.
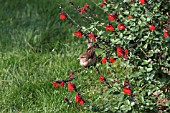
[
  {"x": 55, "y": 84},
  {"x": 92, "y": 36},
  {"x": 101, "y": 78},
  {"x": 81, "y": 102},
  {"x": 142, "y": 1},
  {"x": 86, "y": 6},
  {"x": 82, "y": 10},
  {"x": 63, "y": 16},
  {"x": 119, "y": 51},
  {"x": 130, "y": 16},
  {"x": 152, "y": 27},
  {"x": 121, "y": 26},
  {"x": 166, "y": 34},
  {"x": 78, "y": 34},
  {"x": 78, "y": 97},
  {"x": 127, "y": 91},
  {"x": 71, "y": 75},
  {"x": 126, "y": 53},
  {"x": 62, "y": 84},
  {"x": 70, "y": 86},
  {"x": 125, "y": 56},
  {"x": 109, "y": 27},
  {"x": 102, "y": 4},
  {"x": 112, "y": 60},
  {"x": 111, "y": 17},
  {"x": 104, "y": 60}
]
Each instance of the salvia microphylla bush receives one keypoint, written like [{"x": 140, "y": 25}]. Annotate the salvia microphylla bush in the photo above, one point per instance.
[{"x": 131, "y": 40}]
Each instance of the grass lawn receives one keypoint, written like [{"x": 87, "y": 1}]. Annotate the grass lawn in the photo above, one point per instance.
[{"x": 35, "y": 49}]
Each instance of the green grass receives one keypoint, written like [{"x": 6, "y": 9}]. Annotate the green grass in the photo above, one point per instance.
[
  {"x": 35, "y": 49},
  {"x": 26, "y": 81}
]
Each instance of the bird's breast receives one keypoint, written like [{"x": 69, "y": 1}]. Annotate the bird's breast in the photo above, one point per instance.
[{"x": 83, "y": 62}]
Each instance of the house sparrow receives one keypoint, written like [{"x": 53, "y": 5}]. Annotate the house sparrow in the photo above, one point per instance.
[{"x": 89, "y": 57}]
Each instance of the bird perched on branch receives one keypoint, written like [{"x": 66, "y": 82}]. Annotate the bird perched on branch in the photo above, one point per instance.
[{"x": 89, "y": 57}]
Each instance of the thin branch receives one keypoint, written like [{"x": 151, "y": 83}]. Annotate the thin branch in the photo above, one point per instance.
[
  {"x": 70, "y": 79},
  {"x": 105, "y": 80}
]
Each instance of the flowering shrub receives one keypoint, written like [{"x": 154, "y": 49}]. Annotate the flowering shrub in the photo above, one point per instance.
[{"x": 132, "y": 43}]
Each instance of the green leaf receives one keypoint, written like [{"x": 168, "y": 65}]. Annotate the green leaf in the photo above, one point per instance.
[
  {"x": 126, "y": 0},
  {"x": 145, "y": 46},
  {"x": 132, "y": 103},
  {"x": 142, "y": 99},
  {"x": 126, "y": 12},
  {"x": 149, "y": 69}
]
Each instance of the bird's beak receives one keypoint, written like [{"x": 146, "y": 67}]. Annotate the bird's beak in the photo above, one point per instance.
[{"x": 78, "y": 58}]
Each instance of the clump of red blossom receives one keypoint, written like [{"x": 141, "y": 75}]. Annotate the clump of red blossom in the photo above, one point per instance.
[{"x": 120, "y": 51}]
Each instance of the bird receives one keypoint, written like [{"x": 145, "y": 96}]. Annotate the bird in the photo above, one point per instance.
[{"x": 89, "y": 57}]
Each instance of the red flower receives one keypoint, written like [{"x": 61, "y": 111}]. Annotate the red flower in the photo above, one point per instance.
[
  {"x": 92, "y": 36},
  {"x": 70, "y": 86},
  {"x": 112, "y": 60},
  {"x": 152, "y": 27},
  {"x": 78, "y": 97},
  {"x": 86, "y": 6},
  {"x": 102, "y": 4},
  {"x": 62, "y": 84},
  {"x": 127, "y": 91},
  {"x": 81, "y": 102},
  {"x": 125, "y": 56},
  {"x": 104, "y": 60},
  {"x": 78, "y": 34},
  {"x": 82, "y": 10},
  {"x": 101, "y": 78},
  {"x": 126, "y": 53},
  {"x": 109, "y": 27},
  {"x": 130, "y": 16},
  {"x": 71, "y": 75},
  {"x": 121, "y": 26},
  {"x": 119, "y": 51},
  {"x": 55, "y": 84},
  {"x": 111, "y": 17},
  {"x": 142, "y": 1},
  {"x": 94, "y": 39},
  {"x": 166, "y": 34},
  {"x": 63, "y": 16}
]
